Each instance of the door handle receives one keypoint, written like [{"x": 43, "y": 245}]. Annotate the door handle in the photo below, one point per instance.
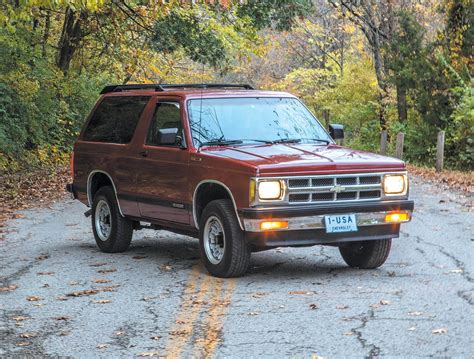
[{"x": 143, "y": 153}]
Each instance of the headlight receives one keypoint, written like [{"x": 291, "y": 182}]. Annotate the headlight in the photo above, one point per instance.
[
  {"x": 268, "y": 190},
  {"x": 395, "y": 184}
]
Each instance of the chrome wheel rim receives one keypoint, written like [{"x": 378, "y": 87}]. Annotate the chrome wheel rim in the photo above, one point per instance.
[
  {"x": 214, "y": 240},
  {"x": 103, "y": 220}
]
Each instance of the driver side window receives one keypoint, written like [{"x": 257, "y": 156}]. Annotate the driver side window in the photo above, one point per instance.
[{"x": 167, "y": 116}]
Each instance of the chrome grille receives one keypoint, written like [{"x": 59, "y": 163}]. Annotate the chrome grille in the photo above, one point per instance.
[{"x": 324, "y": 189}]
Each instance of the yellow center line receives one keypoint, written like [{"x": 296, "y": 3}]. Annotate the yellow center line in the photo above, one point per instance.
[
  {"x": 205, "y": 346},
  {"x": 188, "y": 313}
]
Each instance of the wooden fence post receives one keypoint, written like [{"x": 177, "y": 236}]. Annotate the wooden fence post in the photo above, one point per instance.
[
  {"x": 326, "y": 118},
  {"x": 440, "y": 151},
  {"x": 399, "y": 146},
  {"x": 383, "y": 142}
]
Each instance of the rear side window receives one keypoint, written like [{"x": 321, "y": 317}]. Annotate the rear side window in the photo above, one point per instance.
[{"x": 115, "y": 119}]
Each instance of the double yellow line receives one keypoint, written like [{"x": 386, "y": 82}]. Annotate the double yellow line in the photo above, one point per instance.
[{"x": 201, "y": 315}]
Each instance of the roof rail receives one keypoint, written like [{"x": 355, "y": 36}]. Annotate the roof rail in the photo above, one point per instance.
[{"x": 163, "y": 87}]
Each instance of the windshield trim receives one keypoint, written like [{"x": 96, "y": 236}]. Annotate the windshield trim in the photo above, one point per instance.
[{"x": 188, "y": 111}]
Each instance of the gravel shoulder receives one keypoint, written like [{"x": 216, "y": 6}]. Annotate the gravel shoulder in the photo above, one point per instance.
[{"x": 61, "y": 297}]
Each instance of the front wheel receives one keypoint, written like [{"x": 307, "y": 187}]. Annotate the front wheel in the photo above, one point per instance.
[
  {"x": 112, "y": 232},
  {"x": 366, "y": 254},
  {"x": 223, "y": 248}
]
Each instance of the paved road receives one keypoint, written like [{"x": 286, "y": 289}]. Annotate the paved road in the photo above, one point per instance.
[{"x": 65, "y": 298}]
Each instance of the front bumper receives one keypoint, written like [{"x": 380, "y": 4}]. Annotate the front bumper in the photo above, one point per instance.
[{"x": 306, "y": 225}]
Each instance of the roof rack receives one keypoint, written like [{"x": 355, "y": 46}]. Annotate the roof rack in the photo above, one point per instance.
[{"x": 163, "y": 87}]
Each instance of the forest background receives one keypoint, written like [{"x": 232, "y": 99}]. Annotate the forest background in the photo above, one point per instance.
[{"x": 372, "y": 65}]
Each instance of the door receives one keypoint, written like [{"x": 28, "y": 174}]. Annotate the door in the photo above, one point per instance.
[{"x": 162, "y": 180}]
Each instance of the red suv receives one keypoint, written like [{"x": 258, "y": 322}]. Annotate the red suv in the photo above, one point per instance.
[{"x": 244, "y": 170}]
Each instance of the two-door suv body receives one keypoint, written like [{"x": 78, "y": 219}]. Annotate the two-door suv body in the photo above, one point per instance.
[{"x": 244, "y": 170}]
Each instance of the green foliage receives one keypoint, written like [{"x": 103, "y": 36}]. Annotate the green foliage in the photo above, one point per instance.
[
  {"x": 41, "y": 109},
  {"x": 460, "y": 132},
  {"x": 185, "y": 30},
  {"x": 279, "y": 14}
]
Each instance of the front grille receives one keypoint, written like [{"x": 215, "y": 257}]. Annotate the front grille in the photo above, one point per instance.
[{"x": 324, "y": 189}]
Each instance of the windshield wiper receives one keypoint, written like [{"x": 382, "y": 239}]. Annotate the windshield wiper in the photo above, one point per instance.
[
  {"x": 317, "y": 140},
  {"x": 221, "y": 142},
  {"x": 287, "y": 140},
  {"x": 260, "y": 141}
]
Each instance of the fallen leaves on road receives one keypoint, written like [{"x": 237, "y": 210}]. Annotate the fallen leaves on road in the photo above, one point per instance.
[
  {"x": 23, "y": 344},
  {"x": 139, "y": 257},
  {"x": 415, "y": 314},
  {"x": 119, "y": 333},
  {"x": 156, "y": 337},
  {"x": 102, "y": 281},
  {"x": 411, "y": 329},
  {"x": 107, "y": 270},
  {"x": 83, "y": 293},
  {"x": 102, "y": 301},
  {"x": 45, "y": 273},
  {"x": 62, "y": 318},
  {"x": 42, "y": 257},
  {"x": 28, "y": 335},
  {"x": 100, "y": 264},
  {"x": 385, "y": 302},
  {"x": 342, "y": 306},
  {"x": 33, "y": 298},
  {"x": 458, "y": 270},
  {"x": 102, "y": 346},
  {"x": 259, "y": 295},
  {"x": 166, "y": 268},
  {"x": 313, "y": 306},
  {"x": 348, "y": 333},
  {"x": 30, "y": 188},
  {"x": 440, "y": 331},
  {"x": 457, "y": 179},
  {"x": 20, "y": 318},
  {"x": 10, "y": 288},
  {"x": 253, "y": 313},
  {"x": 148, "y": 354}
]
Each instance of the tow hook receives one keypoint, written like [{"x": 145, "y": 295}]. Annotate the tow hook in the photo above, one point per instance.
[{"x": 88, "y": 213}]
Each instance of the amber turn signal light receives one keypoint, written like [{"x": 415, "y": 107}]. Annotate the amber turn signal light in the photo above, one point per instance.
[
  {"x": 266, "y": 226},
  {"x": 397, "y": 217}
]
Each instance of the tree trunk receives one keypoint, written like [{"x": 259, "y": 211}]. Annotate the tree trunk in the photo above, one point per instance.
[
  {"x": 402, "y": 103},
  {"x": 380, "y": 75},
  {"x": 71, "y": 37},
  {"x": 47, "y": 26}
]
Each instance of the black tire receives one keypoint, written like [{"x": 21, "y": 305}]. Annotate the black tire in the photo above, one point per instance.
[
  {"x": 121, "y": 229},
  {"x": 236, "y": 253},
  {"x": 366, "y": 254}
]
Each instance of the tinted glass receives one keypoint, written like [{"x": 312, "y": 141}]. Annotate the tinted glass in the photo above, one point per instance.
[
  {"x": 166, "y": 115},
  {"x": 260, "y": 119},
  {"x": 115, "y": 119}
]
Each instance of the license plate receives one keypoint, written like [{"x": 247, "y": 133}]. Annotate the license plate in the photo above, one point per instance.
[{"x": 340, "y": 223}]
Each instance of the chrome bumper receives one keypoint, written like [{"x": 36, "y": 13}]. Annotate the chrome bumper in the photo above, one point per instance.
[{"x": 317, "y": 221}]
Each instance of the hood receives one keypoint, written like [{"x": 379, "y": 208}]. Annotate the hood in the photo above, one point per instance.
[{"x": 297, "y": 159}]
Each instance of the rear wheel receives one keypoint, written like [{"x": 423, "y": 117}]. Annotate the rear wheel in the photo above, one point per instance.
[
  {"x": 112, "y": 232},
  {"x": 223, "y": 248},
  {"x": 366, "y": 254}
]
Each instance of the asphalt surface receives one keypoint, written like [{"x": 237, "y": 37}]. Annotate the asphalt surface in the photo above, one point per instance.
[{"x": 60, "y": 296}]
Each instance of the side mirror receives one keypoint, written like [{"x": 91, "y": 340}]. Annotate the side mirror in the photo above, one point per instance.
[
  {"x": 336, "y": 131},
  {"x": 167, "y": 136}
]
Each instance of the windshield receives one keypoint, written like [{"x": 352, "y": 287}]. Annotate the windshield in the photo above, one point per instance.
[{"x": 263, "y": 119}]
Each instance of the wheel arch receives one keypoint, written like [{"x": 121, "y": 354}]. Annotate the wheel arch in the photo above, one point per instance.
[
  {"x": 219, "y": 191},
  {"x": 100, "y": 178}
]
